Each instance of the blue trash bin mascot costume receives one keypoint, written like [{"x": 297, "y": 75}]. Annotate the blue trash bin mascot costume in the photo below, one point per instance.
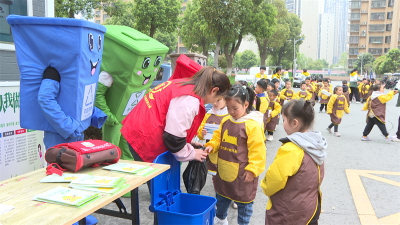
[{"x": 59, "y": 61}]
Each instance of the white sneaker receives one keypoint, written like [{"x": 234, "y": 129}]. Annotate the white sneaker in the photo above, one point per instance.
[
  {"x": 270, "y": 138},
  {"x": 396, "y": 140},
  {"x": 329, "y": 130},
  {"x": 234, "y": 205},
  {"x": 218, "y": 221},
  {"x": 336, "y": 134}
]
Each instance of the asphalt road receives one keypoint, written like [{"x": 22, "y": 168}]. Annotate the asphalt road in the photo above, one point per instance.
[{"x": 347, "y": 152}]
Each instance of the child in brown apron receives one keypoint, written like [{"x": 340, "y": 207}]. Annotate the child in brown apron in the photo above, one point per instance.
[
  {"x": 336, "y": 106},
  {"x": 240, "y": 145},
  {"x": 324, "y": 97},
  {"x": 262, "y": 100},
  {"x": 287, "y": 94},
  {"x": 346, "y": 91},
  {"x": 273, "y": 110},
  {"x": 303, "y": 94},
  {"x": 310, "y": 88},
  {"x": 376, "y": 106}
]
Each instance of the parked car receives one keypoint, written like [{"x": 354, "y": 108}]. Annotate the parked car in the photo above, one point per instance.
[{"x": 297, "y": 80}]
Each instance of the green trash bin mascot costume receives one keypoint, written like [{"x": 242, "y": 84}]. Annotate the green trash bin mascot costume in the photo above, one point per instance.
[{"x": 130, "y": 63}]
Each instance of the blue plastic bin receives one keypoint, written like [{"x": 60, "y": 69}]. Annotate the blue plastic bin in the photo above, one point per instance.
[
  {"x": 174, "y": 207},
  {"x": 74, "y": 47}
]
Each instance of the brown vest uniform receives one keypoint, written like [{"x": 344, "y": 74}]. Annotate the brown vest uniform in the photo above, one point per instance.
[
  {"x": 378, "y": 108},
  {"x": 272, "y": 123},
  {"x": 364, "y": 93},
  {"x": 303, "y": 95},
  {"x": 212, "y": 163},
  {"x": 309, "y": 89},
  {"x": 289, "y": 94},
  {"x": 322, "y": 100},
  {"x": 338, "y": 105},
  {"x": 232, "y": 159},
  {"x": 302, "y": 190}
]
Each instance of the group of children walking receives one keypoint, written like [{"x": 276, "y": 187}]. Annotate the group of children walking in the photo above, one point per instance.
[
  {"x": 237, "y": 150},
  {"x": 237, "y": 153}
]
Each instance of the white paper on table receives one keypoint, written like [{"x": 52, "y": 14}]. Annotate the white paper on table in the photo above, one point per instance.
[
  {"x": 210, "y": 130},
  {"x": 5, "y": 208}
]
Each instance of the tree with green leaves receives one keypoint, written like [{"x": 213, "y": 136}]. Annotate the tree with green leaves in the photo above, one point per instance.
[
  {"x": 303, "y": 61},
  {"x": 248, "y": 59},
  {"x": 236, "y": 61},
  {"x": 120, "y": 14},
  {"x": 392, "y": 62},
  {"x": 272, "y": 33},
  {"x": 367, "y": 58},
  {"x": 221, "y": 20},
  {"x": 68, "y": 8},
  {"x": 151, "y": 15},
  {"x": 285, "y": 51},
  {"x": 169, "y": 39},
  {"x": 343, "y": 59},
  {"x": 193, "y": 30},
  {"x": 222, "y": 62},
  {"x": 377, "y": 64}
]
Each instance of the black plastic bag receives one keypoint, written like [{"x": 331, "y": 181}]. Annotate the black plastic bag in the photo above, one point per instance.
[{"x": 195, "y": 176}]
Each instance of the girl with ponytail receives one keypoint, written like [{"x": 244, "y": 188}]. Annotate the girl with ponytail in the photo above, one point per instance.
[
  {"x": 240, "y": 145},
  {"x": 297, "y": 170}
]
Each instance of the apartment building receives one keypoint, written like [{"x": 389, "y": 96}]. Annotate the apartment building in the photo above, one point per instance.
[{"x": 374, "y": 27}]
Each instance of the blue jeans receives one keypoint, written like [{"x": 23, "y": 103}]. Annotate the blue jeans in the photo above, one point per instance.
[{"x": 244, "y": 209}]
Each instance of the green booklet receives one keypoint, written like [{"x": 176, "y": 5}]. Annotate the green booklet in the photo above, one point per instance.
[
  {"x": 65, "y": 178},
  {"x": 65, "y": 196},
  {"x": 120, "y": 186},
  {"x": 131, "y": 168},
  {"x": 97, "y": 181}
]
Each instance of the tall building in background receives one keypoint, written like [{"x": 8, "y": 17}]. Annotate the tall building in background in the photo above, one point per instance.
[
  {"x": 374, "y": 28},
  {"x": 327, "y": 36},
  {"x": 310, "y": 28},
  {"x": 339, "y": 8},
  {"x": 294, "y": 6}
]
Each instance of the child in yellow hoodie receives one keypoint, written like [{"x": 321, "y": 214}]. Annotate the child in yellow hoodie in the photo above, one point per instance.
[
  {"x": 336, "y": 106},
  {"x": 240, "y": 145},
  {"x": 213, "y": 116},
  {"x": 293, "y": 180},
  {"x": 376, "y": 106}
]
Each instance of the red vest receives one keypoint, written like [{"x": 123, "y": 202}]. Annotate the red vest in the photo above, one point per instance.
[{"x": 144, "y": 126}]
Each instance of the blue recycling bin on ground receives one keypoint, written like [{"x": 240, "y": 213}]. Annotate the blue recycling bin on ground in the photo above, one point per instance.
[
  {"x": 171, "y": 205},
  {"x": 74, "y": 48}
]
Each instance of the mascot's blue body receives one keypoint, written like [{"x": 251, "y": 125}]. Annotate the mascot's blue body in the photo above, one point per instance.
[{"x": 59, "y": 61}]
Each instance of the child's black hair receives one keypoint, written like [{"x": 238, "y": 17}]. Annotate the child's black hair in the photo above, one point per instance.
[
  {"x": 263, "y": 68},
  {"x": 274, "y": 92},
  {"x": 242, "y": 94},
  {"x": 326, "y": 80},
  {"x": 336, "y": 88},
  {"x": 364, "y": 79},
  {"x": 304, "y": 70},
  {"x": 376, "y": 87},
  {"x": 300, "y": 110},
  {"x": 308, "y": 78},
  {"x": 272, "y": 85},
  {"x": 262, "y": 84},
  {"x": 319, "y": 80},
  {"x": 344, "y": 82},
  {"x": 243, "y": 83},
  {"x": 303, "y": 82},
  {"x": 267, "y": 80},
  {"x": 278, "y": 69},
  {"x": 288, "y": 81}
]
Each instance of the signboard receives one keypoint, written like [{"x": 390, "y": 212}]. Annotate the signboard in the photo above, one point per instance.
[{"x": 21, "y": 150}]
